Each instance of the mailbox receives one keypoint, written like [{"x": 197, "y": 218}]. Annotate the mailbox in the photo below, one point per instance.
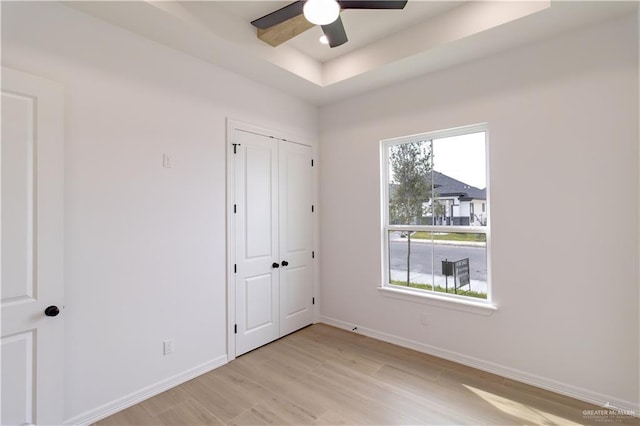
[{"x": 447, "y": 268}]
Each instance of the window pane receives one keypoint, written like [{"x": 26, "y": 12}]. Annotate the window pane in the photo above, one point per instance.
[
  {"x": 438, "y": 183},
  {"x": 411, "y": 259},
  {"x": 460, "y": 261},
  {"x": 459, "y": 180},
  {"x": 410, "y": 185}
]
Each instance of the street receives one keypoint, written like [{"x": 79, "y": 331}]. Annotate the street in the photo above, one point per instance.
[{"x": 422, "y": 252}]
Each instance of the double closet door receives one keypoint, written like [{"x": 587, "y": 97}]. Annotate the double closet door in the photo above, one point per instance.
[{"x": 273, "y": 223}]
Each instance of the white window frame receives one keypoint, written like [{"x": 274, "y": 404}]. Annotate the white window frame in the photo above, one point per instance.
[{"x": 451, "y": 301}]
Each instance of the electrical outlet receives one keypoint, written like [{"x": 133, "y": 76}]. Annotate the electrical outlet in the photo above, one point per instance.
[{"x": 167, "y": 346}]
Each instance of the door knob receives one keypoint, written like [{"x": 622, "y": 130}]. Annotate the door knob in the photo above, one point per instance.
[
  {"x": 275, "y": 265},
  {"x": 52, "y": 311},
  {"x": 285, "y": 263}
]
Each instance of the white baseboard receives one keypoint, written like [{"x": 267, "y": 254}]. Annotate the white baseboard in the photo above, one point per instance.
[
  {"x": 136, "y": 397},
  {"x": 585, "y": 395}
]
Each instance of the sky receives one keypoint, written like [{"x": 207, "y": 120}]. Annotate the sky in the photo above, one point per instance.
[{"x": 462, "y": 158}]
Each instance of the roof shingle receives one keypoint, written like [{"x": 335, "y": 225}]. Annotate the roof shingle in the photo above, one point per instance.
[{"x": 447, "y": 186}]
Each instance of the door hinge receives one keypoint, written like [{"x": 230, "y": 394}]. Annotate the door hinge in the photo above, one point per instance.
[
  {"x": 312, "y": 208},
  {"x": 235, "y": 328},
  {"x": 312, "y": 162},
  {"x": 235, "y": 208},
  {"x": 235, "y": 268},
  {"x": 235, "y": 146},
  {"x": 313, "y": 300},
  {"x": 313, "y": 254}
]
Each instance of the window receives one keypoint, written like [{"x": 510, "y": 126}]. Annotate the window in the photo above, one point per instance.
[{"x": 435, "y": 239}]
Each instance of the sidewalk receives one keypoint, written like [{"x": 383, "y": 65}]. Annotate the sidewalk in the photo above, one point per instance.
[
  {"x": 419, "y": 278},
  {"x": 396, "y": 239}
]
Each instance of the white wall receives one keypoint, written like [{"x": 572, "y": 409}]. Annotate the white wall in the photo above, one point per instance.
[
  {"x": 563, "y": 120},
  {"x": 145, "y": 245}
]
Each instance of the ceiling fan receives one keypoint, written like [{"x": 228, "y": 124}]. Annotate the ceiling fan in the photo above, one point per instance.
[{"x": 297, "y": 17}]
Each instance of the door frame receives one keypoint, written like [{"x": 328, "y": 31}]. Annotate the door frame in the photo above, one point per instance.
[{"x": 232, "y": 126}]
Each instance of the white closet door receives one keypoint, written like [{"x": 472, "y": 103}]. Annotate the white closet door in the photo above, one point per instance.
[
  {"x": 256, "y": 223},
  {"x": 273, "y": 238},
  {"x": 32, "y": 250},
  {"x": 295, "y": 215}
]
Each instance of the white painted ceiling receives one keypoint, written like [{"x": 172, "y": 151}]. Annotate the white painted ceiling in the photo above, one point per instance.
[
  {"x": 384, "y": 47},
  {"x": 363, "y": 27}
]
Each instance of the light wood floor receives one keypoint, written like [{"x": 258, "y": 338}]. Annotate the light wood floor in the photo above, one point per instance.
[{"x": 325, "y": 376}]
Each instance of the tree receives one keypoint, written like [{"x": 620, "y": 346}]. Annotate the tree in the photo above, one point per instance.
[{"x": 411, "y": 183}]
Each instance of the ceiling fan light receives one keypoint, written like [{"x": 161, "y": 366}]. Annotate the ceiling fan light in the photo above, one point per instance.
[{"x": 321, "y": 12}]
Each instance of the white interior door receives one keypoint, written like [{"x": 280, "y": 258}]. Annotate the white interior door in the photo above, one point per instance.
[
  {"x": 273, "y": 238},
  {"x": 32, "y": 250},
  {"x": 296, "y": 218},
  {"x": 256, "y": 223}
]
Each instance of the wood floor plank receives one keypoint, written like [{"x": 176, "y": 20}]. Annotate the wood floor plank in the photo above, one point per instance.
[
  {"x": 293, "y": 357},
  {"x": 324, "y": 352},
  {"x": 388, "y": 397},
  {"x": 519, "y": 402},
  {"x": 447, "y": 398},
  {"x": 284, "y": 381},
  {"x": 188, "y": 412},
  {"x": 383, "y": 353},
  {"x": 164, "y": 401},
  {"x": 247, "y": 418},
  {"x": 321, "y": 375},
  {"x": 276, "y": 411},
  {"x": 332, "y": 418},
  {"x": 354, "y": 404},
  {"x": 215, "y": 399},
  {"x": 237, "y": 386},
  {"x": 135, "y": 415}
]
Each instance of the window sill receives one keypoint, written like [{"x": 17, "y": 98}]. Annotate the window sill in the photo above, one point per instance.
[{"x": 471, "y": 306}]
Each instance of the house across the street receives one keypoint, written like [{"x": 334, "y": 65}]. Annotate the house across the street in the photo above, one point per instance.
[{"x": 457, "y": 203}]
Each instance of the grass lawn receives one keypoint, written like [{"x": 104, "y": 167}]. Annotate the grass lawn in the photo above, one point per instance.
[
  {"x": 479, "y": 295},
  {"x": 450, "y": 237}
]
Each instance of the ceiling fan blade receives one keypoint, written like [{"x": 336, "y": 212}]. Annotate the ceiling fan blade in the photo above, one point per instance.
[
  {"x": 372, "y": 4},
  {"x": 335, "y": 33},
  {"x": 283, "y": 14}
]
